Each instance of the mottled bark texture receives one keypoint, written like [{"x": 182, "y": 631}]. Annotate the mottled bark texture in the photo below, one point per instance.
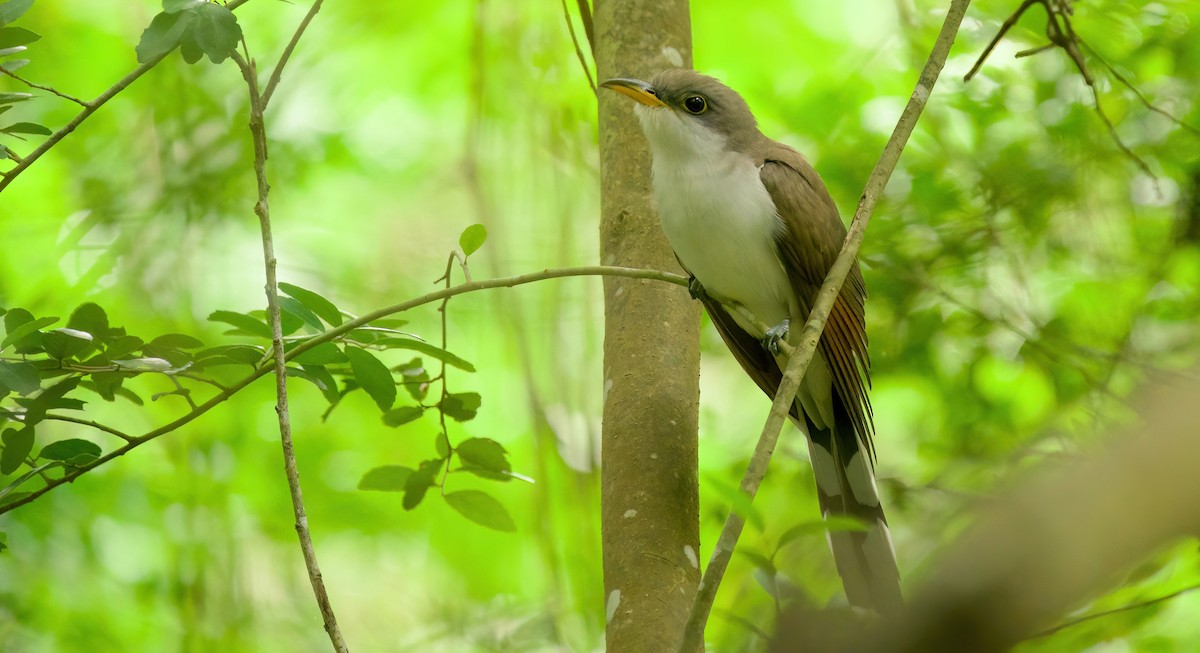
[{"x": 649, "y": 489}]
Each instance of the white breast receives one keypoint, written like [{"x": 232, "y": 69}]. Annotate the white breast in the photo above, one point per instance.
[{"x": 718, "y": 216}]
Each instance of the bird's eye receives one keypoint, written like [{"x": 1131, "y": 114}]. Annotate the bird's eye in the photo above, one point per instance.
[{"x": 695, "y": 105}]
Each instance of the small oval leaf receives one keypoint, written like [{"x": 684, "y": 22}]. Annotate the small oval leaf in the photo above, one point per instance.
[
  {"x": 482, "y": 509},
  {"x": 472, "y": 239}
]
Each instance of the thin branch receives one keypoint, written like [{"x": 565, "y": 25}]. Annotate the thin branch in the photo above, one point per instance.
[
  {"x": 798, "y": 362},
  {"x": 8, "y": 176},
  {"x": 48, "y": 89},
  {"x": 1007, "y": 25},
  {"x": 287, "y": 53},
  {"x": 262, "y": 209},
  {"x": 1128, "y": 84},
  {"x": 1062, "y": 35},
  {"x": 578, "y": 50},
  {"x": 87, "y": 422},
  {"x": 334, "y": 333},
  {"x": 1107, "y": 613},
  {"x": 585, "y": 17}
]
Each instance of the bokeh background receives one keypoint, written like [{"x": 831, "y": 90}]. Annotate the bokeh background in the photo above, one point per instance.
[{"x": 1026, "y": 277}]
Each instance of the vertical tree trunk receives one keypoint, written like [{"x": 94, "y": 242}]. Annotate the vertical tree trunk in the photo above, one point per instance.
[{"x": 649, "y": 490}]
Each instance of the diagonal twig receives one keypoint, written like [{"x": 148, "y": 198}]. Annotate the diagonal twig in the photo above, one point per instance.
[
  {"x": 269, "y": 90},
  {"x": 578, "y": 50},
  {"x": 799, "y": 360}
]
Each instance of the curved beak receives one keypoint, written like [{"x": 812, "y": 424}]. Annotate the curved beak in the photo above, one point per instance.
[{"x": 636, "y": 89}]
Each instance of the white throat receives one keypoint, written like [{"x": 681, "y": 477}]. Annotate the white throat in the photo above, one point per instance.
[{"x": 717, "y": 214}]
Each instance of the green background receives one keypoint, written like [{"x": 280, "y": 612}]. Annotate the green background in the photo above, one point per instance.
[{"x": 1026, "y": 278}]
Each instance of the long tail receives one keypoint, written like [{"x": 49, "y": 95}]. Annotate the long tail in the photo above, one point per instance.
[{"x": 865, "y": 559}]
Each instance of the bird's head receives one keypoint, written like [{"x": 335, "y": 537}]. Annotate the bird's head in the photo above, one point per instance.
[{"x": 684, "y": 113}]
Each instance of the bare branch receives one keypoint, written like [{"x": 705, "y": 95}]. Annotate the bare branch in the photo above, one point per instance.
[
  {"x": 48, "y": 89},
  {"x": 287, "y": 53},
  {"x": 87, "y": 422},
  {"x": 1109, "y": 613},
  {"x": 578, "y": 50},
  {"x": 799, "y": 360}
]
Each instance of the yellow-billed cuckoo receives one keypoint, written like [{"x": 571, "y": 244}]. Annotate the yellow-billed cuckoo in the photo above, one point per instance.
[{"x": 751, "y": 222}]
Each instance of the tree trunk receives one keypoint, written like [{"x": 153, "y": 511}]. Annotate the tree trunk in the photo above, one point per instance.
[{"x": 649, "y": 489}]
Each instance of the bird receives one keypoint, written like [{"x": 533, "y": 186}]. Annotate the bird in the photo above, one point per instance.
[{"x": 753, "y": 225}]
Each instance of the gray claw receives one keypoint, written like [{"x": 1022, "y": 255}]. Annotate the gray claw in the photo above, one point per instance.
[{"x": 771, "y": 338}]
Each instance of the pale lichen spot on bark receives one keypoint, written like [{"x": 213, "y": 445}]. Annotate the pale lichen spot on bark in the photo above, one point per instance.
[
  {"x": 608, "y": 383},
  {"x": 631, "y": 513},
  {"x": 610, "y": 607},
  {"x": 653, "y": 456},
  {"x": 673, "y": 56},
  {"x": 690, "y": 553}
]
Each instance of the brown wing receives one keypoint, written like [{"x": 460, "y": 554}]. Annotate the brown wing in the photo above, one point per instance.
[{"x": 814, "y": 238}]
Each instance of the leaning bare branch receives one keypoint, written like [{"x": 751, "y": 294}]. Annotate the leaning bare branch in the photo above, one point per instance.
[
  {"x": 799, "y": 360},
  {"x": 41, "y": 87},
  {"x": 287, "y": 53},
  {"x": 578, "y": 50}
]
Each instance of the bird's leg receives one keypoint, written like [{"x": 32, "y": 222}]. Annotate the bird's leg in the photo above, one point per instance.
[
  {"x": 771, "y": 338},
  {"x": 695, "y": 289}
]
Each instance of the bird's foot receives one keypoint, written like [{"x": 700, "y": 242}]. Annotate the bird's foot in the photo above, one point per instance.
[
  {"x": 695, "y": 289},
  {"x": 771, "y": 338}
]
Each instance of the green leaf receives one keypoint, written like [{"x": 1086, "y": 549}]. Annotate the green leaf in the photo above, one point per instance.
[
  {"x": 24, "y": 330},
  {"x": 301, "y": 311},
  {"x": 162, "y": 35},
  {"x": 27, "y": 128},
  {"x": 242, "y": 322},
  {"x": 325, "y": 353},
  {"x": 482, "y": 509},
  {"x": 69, "y": 450},
  {"x": 415, "y": 378},
  {"x": 3, "y": 541},
  {"x": 91, "y": 318},
  {"x": 176, "y": 341},
  {"x": 833, "y": 524},
  {"x": 428, "y": 349},
  {"x": 247, "y": 354},
  {"x": 483, "y": 454},
  {"x": 48, "y": 399},
  {"x": 176, "y": 6},
  {"x": 388, "y": 478},
  {"x": 327, "y": 384},
  {"x": 12, "y": 66},
  {"x": 17, "y": 445},
  {"x": 420, "y": 481},
  {"x": 402, "y": 415},
  {"x": 373, "y": 376},
  {"x": 315, "y": 303},
  {"x": 189, "y": 49},
  {"x": 11, "y": 37},
  {"x": 61, "y": 344},
  {"x": 21, "y": 377},
  {"x": 216, "y": 31},
  {"x": 9, "y": 98},
  {"x": 441, "y": 444},
  {"x": 472, "y": 239},
  {"x": 461, "y": 407},
  {"x": 122, "y": 347},
  {"x": 12, "y": 10}
]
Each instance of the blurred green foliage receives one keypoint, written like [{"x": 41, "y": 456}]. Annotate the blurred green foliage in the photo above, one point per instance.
[{"x": 1025, "y": 279}]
